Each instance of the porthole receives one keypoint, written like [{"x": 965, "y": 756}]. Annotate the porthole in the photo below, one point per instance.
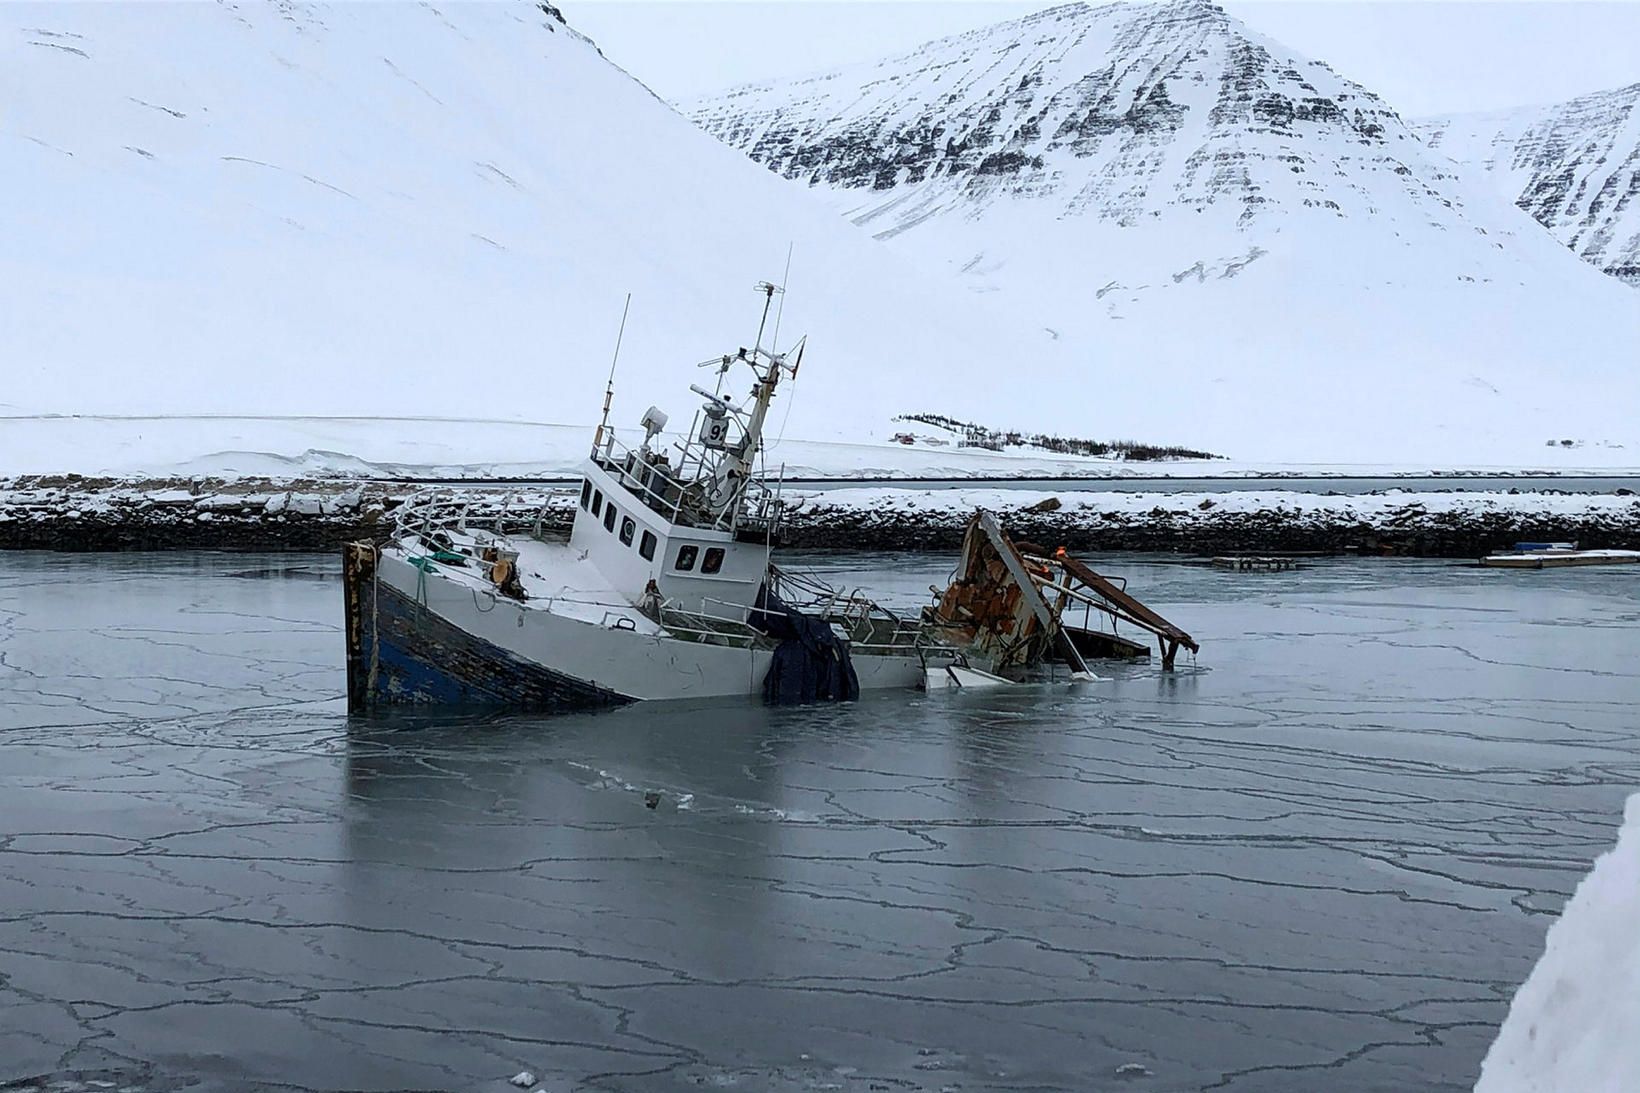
[
  {"x": 713, "y": 560},
  {"x": 628, "y": 529},
  {"x": 686, "y": 558},
  {"x": 646, "y": 546},
  {"x": 586, "y": 493},
  {"x": 609, "y": 516}
]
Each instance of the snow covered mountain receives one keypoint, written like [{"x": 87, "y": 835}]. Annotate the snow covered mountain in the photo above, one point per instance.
[
  {"x": 1239, "y": 246},
  {"x": 316, "y": 209},
  {"x": 434, "y": 212},
  {"x": 1575, "y": 166}
]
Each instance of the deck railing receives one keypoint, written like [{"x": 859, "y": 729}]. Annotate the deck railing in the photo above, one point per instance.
[
  {"x": 427, "y": 512},
  {"x": 659, "y": 486}
]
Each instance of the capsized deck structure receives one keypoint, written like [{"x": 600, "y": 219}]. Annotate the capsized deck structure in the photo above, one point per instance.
[{"x": 1015, "y": 603}]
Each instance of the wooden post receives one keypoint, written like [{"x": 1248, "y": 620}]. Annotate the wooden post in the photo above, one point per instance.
[{"x": 359, "y": 562}]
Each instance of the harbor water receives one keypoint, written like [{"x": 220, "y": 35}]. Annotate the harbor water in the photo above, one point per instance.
[{"x": 1320, "y": 857}]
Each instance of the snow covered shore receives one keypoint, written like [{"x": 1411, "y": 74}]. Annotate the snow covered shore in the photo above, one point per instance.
[
  {"x": 67, "y": 513},
  {"x": 1572, "y": 1024},
  {"x": 1437, "y": 524}
]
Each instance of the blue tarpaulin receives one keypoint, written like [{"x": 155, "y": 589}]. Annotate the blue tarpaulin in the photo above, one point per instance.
[{"x": 810, "y": 664}]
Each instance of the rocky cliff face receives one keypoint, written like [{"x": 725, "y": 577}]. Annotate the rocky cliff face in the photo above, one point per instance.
[
  {"x": 1118, "y": 112},
  {"x": 1575, "y": 166}
]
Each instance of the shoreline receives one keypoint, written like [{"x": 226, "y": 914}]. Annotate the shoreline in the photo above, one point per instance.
[{"x": 70, "y": 513}]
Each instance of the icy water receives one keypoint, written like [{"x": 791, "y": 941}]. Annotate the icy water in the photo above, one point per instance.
[{"x": 1322, "y": 860}]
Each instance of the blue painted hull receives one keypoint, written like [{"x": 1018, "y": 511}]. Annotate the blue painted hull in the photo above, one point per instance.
[{"x": 399, "y": 653}]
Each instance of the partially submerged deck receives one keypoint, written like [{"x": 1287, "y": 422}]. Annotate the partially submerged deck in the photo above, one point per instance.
[{"x": 1011, "y": 602}]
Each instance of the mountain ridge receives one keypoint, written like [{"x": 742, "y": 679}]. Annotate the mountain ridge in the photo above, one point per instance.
[
  {"x": 1574, "y": 166},
  {"x": 1005, "y": 131}
]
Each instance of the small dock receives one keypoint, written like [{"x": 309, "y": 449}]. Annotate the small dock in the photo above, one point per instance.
[
  {"x": 1554, "y": 558},
  {"x": 1250, "y": 563}
]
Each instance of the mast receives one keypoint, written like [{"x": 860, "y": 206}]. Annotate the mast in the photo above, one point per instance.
[
  {"x": 609, "y": 388},
  {"x": 763, "y": 391},
  {"x": 735, "y": 466}
]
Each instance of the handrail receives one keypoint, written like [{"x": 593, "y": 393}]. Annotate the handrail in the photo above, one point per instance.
[{"x": 757, "y": 503}]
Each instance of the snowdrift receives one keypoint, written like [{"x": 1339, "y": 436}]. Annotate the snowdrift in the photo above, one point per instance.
[{"x": 1572, "y": 1024}]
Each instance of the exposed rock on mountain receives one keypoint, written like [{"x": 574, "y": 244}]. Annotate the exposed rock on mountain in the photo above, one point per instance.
[
  {"x": 1115, "y": 112},
  {"x": 1574, "y": 166},
  {"x": 1243, "y": 249}
]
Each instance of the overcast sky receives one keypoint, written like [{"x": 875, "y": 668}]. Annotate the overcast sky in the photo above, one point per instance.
[{"x": 1424, "y": 56}]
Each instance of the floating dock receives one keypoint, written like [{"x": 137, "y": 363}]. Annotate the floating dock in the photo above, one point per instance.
[
  {"x": 1265, "y": 564},
  {"x": 1557, "y": 558}
]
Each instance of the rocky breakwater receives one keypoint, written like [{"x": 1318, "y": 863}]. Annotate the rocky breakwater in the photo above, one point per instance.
[
  {"x": 72, "y": 513},
  {"x": 1434, "y": 524},
  {"x": 87, "y": 514}
]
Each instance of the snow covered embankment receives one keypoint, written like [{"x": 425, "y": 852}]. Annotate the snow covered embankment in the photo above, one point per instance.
[
  {"x": 1436, "y": 524},
  {"x": 1573, "y": 1023},
  {"x": 81, "y": 514},
  {"x": 66, "y": 513}
]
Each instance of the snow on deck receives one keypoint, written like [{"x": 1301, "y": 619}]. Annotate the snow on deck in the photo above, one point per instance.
[{"x": 556, "y": 579}]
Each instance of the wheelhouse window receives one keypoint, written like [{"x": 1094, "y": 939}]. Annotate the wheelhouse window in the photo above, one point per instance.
[
  {"x": 597, "y": 502},
  {"x": 646, "y": 546},
  {"x": 686, "y": 558},
  {"x": 609, "y": 516},
  {"x": 586, "y": 493},
  {"x": 713, "y": 560},
  {"x": 628, "y": 529}
]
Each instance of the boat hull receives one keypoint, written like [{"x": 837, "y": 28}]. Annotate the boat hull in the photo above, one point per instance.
[
  {"x": 416, "y": 638},
  {"x": 401, "y": 653}
]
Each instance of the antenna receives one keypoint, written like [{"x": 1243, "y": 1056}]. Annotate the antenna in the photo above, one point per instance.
[
  {"x": 609, "y": 388},
  {"x": 774, "y": 343}
]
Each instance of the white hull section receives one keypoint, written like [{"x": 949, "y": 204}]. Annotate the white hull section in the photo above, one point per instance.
[{"x": 610, "y": 645}]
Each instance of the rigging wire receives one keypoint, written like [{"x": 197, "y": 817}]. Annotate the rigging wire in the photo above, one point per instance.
[{"x": 791, "y": 395}]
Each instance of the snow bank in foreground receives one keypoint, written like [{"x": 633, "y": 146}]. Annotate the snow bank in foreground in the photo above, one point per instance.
[{"x": 1575, "y": 1024}]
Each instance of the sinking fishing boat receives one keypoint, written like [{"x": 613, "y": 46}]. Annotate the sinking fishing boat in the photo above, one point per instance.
[{"x": 665, "y": 590}]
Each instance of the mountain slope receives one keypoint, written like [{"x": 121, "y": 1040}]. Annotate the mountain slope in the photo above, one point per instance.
[
  {"x": 1240, "y": 247},
  {"x": 1574, "y": 166},
  {"x": 358, "y": 209}
]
